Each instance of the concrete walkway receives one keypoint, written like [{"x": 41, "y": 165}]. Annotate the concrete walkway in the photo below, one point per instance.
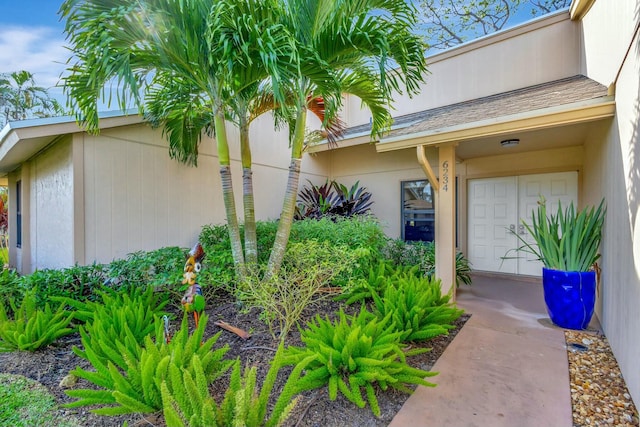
[{"x": 506, "y": 367}]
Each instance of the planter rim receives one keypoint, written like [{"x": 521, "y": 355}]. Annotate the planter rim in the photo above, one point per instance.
[{"x": 568, "y": 271}]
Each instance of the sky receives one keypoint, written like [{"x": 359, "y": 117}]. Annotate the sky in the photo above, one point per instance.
[{"x": 32, "y": 39}]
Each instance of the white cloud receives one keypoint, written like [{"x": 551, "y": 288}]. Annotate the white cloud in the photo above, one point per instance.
[{"x": 39, "y": 50}]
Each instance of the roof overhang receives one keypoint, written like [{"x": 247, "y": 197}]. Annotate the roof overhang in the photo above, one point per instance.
[
  {"x": 20, "y": 141},
  {"x": 545, "y": 118}
]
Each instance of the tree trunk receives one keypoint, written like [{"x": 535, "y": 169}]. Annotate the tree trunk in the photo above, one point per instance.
[
  {"x": 250, "y": 235},
  {"x": 227, "y": 194},
  {"x": 290, "y": 197}
]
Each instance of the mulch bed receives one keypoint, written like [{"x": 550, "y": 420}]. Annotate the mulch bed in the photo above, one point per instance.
[{"x": 50, "y": 365}]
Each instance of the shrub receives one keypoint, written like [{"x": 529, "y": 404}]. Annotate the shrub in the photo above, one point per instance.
[
  {"x": 244, "y": 403},
  {"x": 11, "y": 288},
  {"x": 306, "y": 268},
  {"x": 355, "y": 353},
  {"x": 375, "y": 282},
  {"x": 332, "y": 199},
  {"x": 120, "y": 320},
  {"x": 424, "y": 255},
  {"x": 138, "y": 387},
  {"x": 31, "y": 328},
  {"x": 417, "y": 308}
]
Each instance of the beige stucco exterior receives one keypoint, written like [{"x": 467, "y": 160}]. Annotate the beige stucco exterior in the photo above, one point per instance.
[{"x": 612, "y": 170}]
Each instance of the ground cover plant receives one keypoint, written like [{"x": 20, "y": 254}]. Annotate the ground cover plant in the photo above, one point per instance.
[{"x": 127, "y": 364}]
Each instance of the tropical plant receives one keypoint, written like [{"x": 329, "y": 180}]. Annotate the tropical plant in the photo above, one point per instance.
[
  {"x": 418, "y": 309},
  {"x": 31, "y": 329},
  {"x": 424, "y": 255},
  {"x": 377, "y": 54},
  {"x": 568, "y": 240},
  {"x": 355, "y": 353},
  {"x": 137, "y": 388},
  {"x": 332, "y": 199},
  {"x": 119, "y": 319},
  {"x": 20, "y": 98},
  {"x": 308, "y": 266},
  {"x": 377, "y": 281},
  {"x": 213, "y": 60}
]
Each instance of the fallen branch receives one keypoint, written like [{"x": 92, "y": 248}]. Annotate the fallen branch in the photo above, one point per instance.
[{"x": 239, "y": 332}]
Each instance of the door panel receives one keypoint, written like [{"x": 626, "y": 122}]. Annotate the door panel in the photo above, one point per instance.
[
  {"x": 491, "y": 211},
  {"x": 496, "y": 206}
]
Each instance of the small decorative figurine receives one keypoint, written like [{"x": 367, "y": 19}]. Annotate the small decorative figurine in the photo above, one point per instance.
[{"x": 193, "y": 301}]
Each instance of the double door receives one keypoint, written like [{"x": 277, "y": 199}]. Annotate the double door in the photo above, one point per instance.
[{"x": 496, "y": 207}]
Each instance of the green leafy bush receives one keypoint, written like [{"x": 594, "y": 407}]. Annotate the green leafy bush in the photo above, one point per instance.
[
  {"x": 11, "y": 288},
  {"x": 306, "y": 268},
  {"x": 137, "y": 388},
  {"x": 119, "y": 320},
  {"x": 363, "y": 234},
  {"x": 331, "y": 200},
  {"x": 355, "y": 353},
  {"x": 244, "y": 403},
  {"x": 424, "y": 255},
  {"x": 376, "y": 282},
  {"x": 31, "y": 328},
  {"x": 417, "y": 308}
]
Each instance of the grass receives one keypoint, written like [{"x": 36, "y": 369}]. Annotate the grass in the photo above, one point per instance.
[{"x": 25, "y": 402}]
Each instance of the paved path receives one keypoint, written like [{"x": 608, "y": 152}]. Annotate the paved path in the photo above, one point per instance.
[{"x": 506, "y": 367}]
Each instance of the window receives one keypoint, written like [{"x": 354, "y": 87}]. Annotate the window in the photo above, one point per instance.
[
  {"x": 418, "y": 211},
  {"x": 19, "y": 214}
]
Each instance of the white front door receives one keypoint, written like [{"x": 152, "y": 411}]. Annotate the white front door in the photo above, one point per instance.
[{"x": 496, "y": 206}]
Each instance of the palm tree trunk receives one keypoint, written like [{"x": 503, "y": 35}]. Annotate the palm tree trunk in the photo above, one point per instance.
[
  {"x": 290, "y": 197},
  {"x": 250, "y": 235},
  {"x": 227, "y": 194}
]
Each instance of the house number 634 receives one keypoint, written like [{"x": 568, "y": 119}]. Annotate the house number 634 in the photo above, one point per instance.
[{"x": 445, "y": 175}]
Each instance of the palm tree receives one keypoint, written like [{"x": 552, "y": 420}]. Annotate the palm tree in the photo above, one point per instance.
[
  {"x": 184, "y": 62},
  {"x": 21, "y": 99},
  {"x": 367, "y": 48}
]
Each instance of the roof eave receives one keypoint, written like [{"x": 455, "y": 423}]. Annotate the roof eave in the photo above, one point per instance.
[
  {"x": 573, "y": 113},
  {"x": 43, "y": 133}
]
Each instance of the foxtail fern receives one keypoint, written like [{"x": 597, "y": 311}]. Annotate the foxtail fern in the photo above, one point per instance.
[
  {"x": 417, "y": 308},
  {"x": 353, "y": 354},
  {"x": 137, "y": 386},
  {"x": 31, "y": 328}
]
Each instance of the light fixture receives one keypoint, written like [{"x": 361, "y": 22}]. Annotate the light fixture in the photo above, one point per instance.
[{"x": 510, "y": 142}]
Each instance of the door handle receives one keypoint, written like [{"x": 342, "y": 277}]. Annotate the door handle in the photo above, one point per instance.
[
  {"x": 521, "y": 229},
  {"x": 512, "y": 227}
]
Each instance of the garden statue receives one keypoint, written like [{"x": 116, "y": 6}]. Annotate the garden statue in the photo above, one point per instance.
[{"x": 193, "y": 301}]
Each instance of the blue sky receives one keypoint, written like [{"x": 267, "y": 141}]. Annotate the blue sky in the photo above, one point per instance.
[{"x": 32, "y": 39}]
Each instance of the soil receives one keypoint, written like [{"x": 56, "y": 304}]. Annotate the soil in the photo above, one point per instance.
[{"x": 50, "y": 365}]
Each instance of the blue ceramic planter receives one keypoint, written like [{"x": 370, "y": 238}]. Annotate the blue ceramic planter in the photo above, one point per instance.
[{"x": 570, "y": 297}]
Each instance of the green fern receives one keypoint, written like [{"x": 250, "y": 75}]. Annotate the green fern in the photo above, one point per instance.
[
  {"x": 417, "y": 308},
  {"x": 116, "y": 328},
  {"x": 31, "y": 328},
  {"x": 137, "y": 386},
  {"x": 355, "y": 353}
]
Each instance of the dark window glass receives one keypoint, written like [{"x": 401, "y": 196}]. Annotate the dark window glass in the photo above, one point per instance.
[{"x": 418, "y": 211}]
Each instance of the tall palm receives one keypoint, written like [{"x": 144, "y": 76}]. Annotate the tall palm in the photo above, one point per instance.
[
  {"x": 20, "y": 98},
  {"x": 367, "y": 48},
  {"x": 184, "y": 60}
]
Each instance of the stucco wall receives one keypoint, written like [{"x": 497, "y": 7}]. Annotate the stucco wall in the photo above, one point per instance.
[
  {"x": 137, "y": 198},
  {"x": 382, "y": 174},
  {"x": 537, "y": 52},
  {"x": 612, "y": 166},
  {"x": 51, "y": 206}
]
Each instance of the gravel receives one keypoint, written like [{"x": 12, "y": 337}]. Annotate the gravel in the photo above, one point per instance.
[{"x": 599, "y": 395}]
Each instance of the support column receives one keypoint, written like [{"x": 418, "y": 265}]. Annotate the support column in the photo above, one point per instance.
[{"x": 446, "y": 220}]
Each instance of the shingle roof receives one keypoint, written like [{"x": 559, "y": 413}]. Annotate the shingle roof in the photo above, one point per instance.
[{"x": 555, "y": 93}]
